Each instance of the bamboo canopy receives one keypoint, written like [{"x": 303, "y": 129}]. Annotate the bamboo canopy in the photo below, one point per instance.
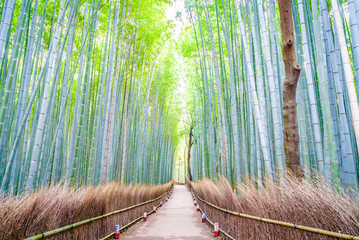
[
  {"x": 240, "y": 70},
  {"x": 97, "y": 91},
  {"x": 83, "y": 94}
]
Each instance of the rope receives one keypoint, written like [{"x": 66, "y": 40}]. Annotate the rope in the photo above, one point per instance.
[
  {"x": 286, "y": 224},
  {"x": 129, "y": 224},
  {"x": 220, "y": 229},
  {"x": 77, "y": 224},
  {"x": 208, "y": 220}
]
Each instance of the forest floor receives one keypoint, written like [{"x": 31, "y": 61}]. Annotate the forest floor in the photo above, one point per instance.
[{"x": 177, "y": 219}]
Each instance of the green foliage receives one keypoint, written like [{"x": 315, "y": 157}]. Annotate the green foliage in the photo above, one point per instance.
[
  {"x": 91, "y": 134},
  {"x": 187, "y": 43}
]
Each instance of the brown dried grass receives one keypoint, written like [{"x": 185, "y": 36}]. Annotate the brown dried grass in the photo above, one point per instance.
[
  {"x": 313, "y": 205},
  {"x": 50, "y": 208}
]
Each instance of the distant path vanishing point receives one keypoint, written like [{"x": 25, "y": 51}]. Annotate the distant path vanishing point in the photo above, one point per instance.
[{"x": 177, "y": 219}]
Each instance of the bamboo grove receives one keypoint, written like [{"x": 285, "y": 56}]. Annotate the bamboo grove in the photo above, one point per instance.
[
  {"x": 238, "y": 64},
  {"x": 83, "y": 99}
]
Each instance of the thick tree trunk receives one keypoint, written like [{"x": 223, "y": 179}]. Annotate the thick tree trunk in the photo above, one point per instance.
[
  {"x": 190, "y": 143},
  {"x": 292, "y": 72}
]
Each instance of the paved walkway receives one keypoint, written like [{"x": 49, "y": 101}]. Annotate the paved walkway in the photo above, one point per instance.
[{"x": 177, "y": 219}]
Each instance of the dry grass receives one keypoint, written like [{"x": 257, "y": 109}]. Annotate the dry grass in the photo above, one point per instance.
[
  {"x": 300, "y": 203},
  {"x": 50, "y": 208}
]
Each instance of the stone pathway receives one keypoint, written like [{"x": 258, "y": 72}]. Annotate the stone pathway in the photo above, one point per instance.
[{"x": 177, "y": 219}]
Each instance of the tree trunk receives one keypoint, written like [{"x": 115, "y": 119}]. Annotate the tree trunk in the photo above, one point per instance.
[
  {"x": 190, "y": 143},
  {"x": 292, "y": 72}
]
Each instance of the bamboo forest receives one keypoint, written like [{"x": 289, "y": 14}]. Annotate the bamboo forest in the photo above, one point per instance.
[{"x": 246, "y": 108}]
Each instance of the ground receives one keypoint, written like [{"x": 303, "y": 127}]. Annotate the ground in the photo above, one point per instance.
[{"x": 177, "y": 219}]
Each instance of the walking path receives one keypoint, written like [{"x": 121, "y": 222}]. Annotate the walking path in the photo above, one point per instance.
[{"x": 177, "y": 219}]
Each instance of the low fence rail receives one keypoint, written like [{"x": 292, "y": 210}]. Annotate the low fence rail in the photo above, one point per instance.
[
  {"x": 132, "y": 222},
  {"x": 90, "y": 220},
  {"x": 210, "y": 222},
  {"x": 276, "y": 222}
]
